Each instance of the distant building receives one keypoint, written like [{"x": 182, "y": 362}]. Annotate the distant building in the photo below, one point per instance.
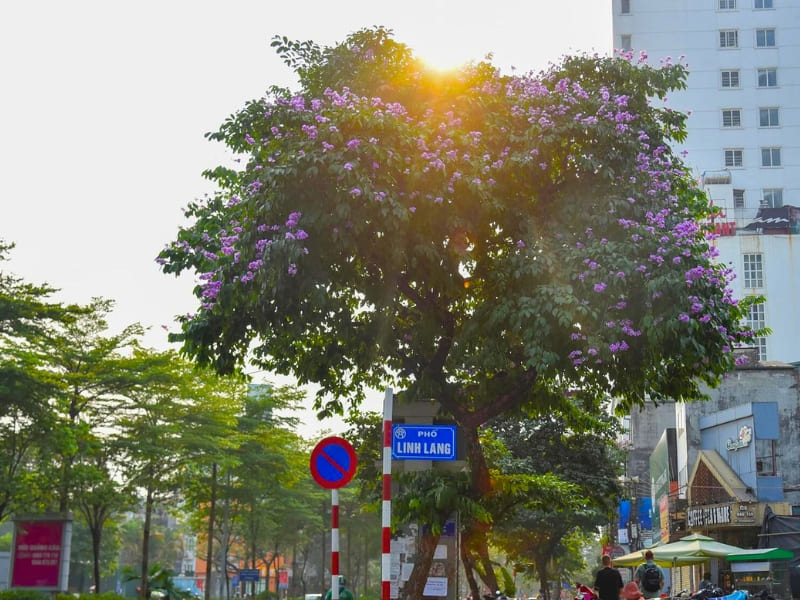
[
  {"x": 739, "y": 448},
  {"x": 743, "y": 96}
]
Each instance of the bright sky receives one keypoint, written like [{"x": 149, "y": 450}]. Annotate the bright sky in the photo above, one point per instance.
[{"x": 104, "y": 104}]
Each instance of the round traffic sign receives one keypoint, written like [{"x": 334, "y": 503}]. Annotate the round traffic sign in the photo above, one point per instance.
[{"x": 333, "y": 462}]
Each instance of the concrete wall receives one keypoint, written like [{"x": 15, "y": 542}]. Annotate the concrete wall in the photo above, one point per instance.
[
  {"x": 646, "y": 428},
  {"x": 767, "y": 383}
]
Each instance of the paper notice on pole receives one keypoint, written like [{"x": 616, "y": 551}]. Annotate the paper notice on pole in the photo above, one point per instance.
[
  {"x": 440, "y": 553},
  {"x": 405, "y": 571},
  {"x": 435, "y": 586}
]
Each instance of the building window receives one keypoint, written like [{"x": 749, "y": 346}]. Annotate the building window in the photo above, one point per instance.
[
  {"x": 772, "y": 197},
  {"x": 753, "y": 271},
  {"x": 770, "y": 157},
  {"x": 626, "y": 43},
  {"x": 768, "y": 77},
  {"x": 733, "y": 157},
  {"x": 757, "y": 322},
  {"x": 625, "y": 7},
  {"x": 766, "y": 458},
  {"x": 738, "y": 198},
  {"x": 729, "y": 38},
  {"x": 768, "y": 117},
  {"x": 732, "y": 117},
  {"x": 730, "y": 79},
  {"x": 727, "y": 4},
  {"x": 765, "y": 38},
  {"x": 763, "y": 4}
]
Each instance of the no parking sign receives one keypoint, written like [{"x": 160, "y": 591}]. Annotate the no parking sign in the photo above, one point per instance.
[{"x": 333, "y": 462}]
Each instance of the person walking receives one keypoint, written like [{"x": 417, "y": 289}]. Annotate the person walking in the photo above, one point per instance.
[
  {"x": 631, "y": 591},
  {"x": 649, "y": 577},
  {"x": 706, "y": 583},
  {"x": 608, "y": 581},
  {"x": 344, "y": 593}
]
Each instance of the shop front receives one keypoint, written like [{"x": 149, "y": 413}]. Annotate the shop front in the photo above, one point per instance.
[{"x": 762, "y": 572}]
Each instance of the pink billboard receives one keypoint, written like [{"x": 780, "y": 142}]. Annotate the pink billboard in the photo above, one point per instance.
[{"x": 37, "y": 551}]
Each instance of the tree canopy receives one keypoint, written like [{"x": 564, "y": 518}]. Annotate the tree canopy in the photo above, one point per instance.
[
  {"x": 503, "y": 244},
  {"x": 484, "y": 239}
]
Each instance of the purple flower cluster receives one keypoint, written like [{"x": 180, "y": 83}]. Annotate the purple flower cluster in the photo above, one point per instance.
[{"x": 381, "y": 158}]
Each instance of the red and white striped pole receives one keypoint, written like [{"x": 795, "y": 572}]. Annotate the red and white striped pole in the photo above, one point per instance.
[
  {"x": 386, "y": 521},
  {"x": 334, "y": 544}
]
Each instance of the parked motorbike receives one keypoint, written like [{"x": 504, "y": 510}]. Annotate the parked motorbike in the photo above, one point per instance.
[
  {"x": 584, "y": 593},
  {"x": 709, "y": 592},
  {"x": 765, "y": 595}
]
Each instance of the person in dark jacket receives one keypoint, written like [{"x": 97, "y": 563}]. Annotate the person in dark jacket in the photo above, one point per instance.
[{"x": 608, "y": 581}]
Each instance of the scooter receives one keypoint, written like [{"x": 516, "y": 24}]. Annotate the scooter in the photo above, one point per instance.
[
  {"x": 585, "y": 593},
  {"x": 709, "y": 592}
]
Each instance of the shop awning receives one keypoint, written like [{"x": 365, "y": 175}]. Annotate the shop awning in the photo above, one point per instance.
[{"x": 757, "y": 554}]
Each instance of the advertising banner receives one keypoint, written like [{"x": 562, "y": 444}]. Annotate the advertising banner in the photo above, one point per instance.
[{"x": 40, "y": 553}]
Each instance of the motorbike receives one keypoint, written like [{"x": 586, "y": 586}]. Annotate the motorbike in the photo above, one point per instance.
[
  {"x": 584, "y": 593},
  {"x": 709, "y": 592}
]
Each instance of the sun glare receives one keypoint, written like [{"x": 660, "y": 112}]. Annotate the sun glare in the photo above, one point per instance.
[{"x": 443, "y": 60}]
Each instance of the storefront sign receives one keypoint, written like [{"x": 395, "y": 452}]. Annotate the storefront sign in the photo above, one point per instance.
[
  {"x": 745, "y": 436},
  {"x": 733, "y": 514}
]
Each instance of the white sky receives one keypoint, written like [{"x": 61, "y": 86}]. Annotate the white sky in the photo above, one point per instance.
[{"x": 104, "y": 104}]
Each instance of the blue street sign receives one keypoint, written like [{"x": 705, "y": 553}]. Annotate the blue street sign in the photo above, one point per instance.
[
  {"x": 248, "y": 574},
  {"x": 423, "y": 442}
]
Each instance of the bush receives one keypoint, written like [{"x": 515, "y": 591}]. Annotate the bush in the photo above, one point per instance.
[
  {"x": 103, "y": 596},
  {"x": 23, "y": 595}
]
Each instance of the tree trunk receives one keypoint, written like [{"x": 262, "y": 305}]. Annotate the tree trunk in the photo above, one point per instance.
[
  {"x": 253, "y": 550},
  {"x": 365, "y": 561},
  {"x": 210, "y": 546},
  {"x": 482, "y": 548},
  {"x": 322, "y": 584},
  {"x": 144, "y": 588},
  {"x": 226, "y": 535},
  {"x": 544, "y": 583},
  {"x": 96, "y": 530},
  {"x": 469, "y": 566},
  {"x": 415, "y": 585}
]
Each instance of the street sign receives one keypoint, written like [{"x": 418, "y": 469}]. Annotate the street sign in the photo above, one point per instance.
[
  {"x": 423, "y": 442},
  {"x": 333, "y": 462},
  {"x": 248, "y": 574}
]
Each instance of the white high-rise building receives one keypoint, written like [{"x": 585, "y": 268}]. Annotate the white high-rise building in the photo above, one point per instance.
[{"x": 743, "y": 97}]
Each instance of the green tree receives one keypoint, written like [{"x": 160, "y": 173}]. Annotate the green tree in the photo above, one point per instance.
[
  {"x": 542, "y": 532},
  {"x": 175, "y": 417},
  {"x": 491, "y": 241},
  {"x": 26, "y": 385},
  {"x": 271, "y": 461},
  {"x": 100, "y": 497},
  {"x": 91, "y": 369}
]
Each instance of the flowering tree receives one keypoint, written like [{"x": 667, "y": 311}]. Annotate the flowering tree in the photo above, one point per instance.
[{"x": 491, "y": 241}]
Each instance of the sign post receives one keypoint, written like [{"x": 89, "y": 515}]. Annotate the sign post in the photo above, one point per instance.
[
  {"x": 386, "y": 511},
  {"x": 333, "y": 464}
]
